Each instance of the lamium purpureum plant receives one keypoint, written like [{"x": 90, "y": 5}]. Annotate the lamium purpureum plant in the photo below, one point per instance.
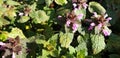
[{"x": 52, "y": 28}]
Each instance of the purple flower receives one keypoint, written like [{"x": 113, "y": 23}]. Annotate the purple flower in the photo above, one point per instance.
[
  {"x": 80, "y": 16},
  {"x": 13, "y": 55},
  {"x": 95, "y": 14},
  {"x": 91, "y": 26},
  {"x": 85, "y": 5},
  {"x": 74, "y": 27},
  {"x": 68, "y": 23},
  {"x": 1, "y": 43},
  {"x": 99, "y": 26},
  {"x": 106, "y": 32}
]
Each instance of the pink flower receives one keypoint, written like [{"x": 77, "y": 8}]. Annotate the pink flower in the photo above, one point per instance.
[
  {"x": 13, "y": 55},
  {"x": 74, "y": 27},
  {"x": 91, "y": 26},
  {"x": 1, "y": 43},
  {"x": 68, "y": 23},
  {"x": 85, "y": 5},
  {"x": 80, "y": 16},
  {"x": 106, "y": 32},
  {"x": 95, "y": 14},
  {"x": 99, "y": 26}
]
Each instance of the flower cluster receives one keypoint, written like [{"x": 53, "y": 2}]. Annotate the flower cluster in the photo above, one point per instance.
[
  {"x": 72, "y": 17},
  {"x": 12, "y": 45},
  {"x": 101, "y": 22}
]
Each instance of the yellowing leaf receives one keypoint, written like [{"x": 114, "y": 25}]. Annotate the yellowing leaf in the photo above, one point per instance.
[
  {"x": 16, "y": 32},
  {"x": 61, "y": 2}
]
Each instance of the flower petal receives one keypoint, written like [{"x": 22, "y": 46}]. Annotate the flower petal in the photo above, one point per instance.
[
  {"x": 74, "y": 27},
  {"x": 80, "y": 16},
  {"x": 68, "y": 23}
]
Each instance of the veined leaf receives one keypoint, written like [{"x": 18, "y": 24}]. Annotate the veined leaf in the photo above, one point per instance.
[
  {"x": 96, "y": 7},
  {"x": 61, "y": 2},
  {"x": 66, "y": 39},
  {"x": 98, "y": 43},
  {"x": 16, "y": 32}
]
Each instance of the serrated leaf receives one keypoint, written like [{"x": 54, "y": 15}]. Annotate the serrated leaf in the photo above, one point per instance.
[
  {"x": 66, "y": 39},
  {"x": 61, "y": 2},
  {"x": 98, "y": 43},
  {"x": 16, "y": 32},
  {"x": 11, "y": 2},
  {"x": 96, "y": 7}
]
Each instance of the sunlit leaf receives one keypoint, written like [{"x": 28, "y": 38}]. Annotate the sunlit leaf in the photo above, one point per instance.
[
  {"x": 3, "y": 36},
  {"x": 16, "y": 32},
  {"x": 96, "y": 7},
  {"x": 61, "y": 2},
  {"x": 82, "y": 45},
  {"x": 66, "y": 39},
  {"x": 11, "y": 2},
  {"x": 48, "y": 2},
  {"x": 23, "y": 19},
  {"x": 3, "y": 22},
  {"x": 39, "y": 16},
  {"x": 98, "y": 43}
]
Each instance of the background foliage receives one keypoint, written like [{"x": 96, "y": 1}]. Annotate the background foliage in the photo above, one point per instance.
[{"x": 37, "y": 29}]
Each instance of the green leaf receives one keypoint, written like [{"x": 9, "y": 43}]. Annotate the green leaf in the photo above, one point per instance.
[
  {"x": 3, "y": 36},
  {"x": 71, "y": 49},
  {"x": 39, "y": 16},
  {"x": 81, "y": 54},
  {"x": 96, "y": 7},
  {"x": 1, "y": 2},
  {"x": 11, "y": 2},
  {"x": 82, "y": 45},
  {"x": 61, "y": 2},
  {"x": 53, "y": 40},
  {"x": 16, "y": 32},
  {"x": 33, "y": 6},
  {"x": 3, "y": 22},
  {"x": 98, "y": 43},
  {"x": 23, "y": 19},
  {"x": 48, "y": 2},
  {"x": 62, "y": 11},
  {"x": 66, "y": 39}
]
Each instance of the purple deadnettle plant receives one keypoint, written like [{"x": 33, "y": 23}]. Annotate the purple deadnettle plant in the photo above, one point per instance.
[{"x": 101, "y": 22}]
